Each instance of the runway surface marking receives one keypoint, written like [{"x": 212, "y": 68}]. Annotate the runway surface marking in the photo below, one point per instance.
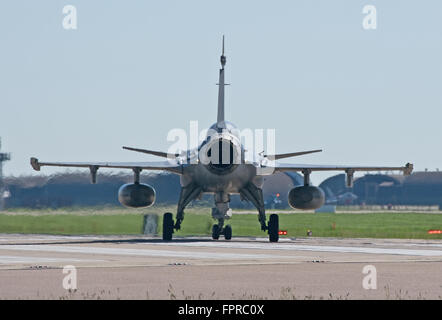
[
  {"x": 426, "y": 245},
  {"x": 21, "y": 259},
  {"x": 47, "y": 238},
  {"x": 297, "y": 247},
  {"x": 138, "y": 252}
]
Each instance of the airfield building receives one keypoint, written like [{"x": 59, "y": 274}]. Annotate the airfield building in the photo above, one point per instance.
[{"x": 74, "y": 189}]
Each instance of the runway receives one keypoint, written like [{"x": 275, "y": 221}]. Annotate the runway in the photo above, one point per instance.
[{"x": 137, "y": 267}]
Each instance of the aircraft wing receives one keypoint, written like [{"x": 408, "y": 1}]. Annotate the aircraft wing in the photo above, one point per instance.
[
  {"x": 306, "y": 169},
  {"x": 407, "y": 169},
  {"x": 160, "y": 165}
]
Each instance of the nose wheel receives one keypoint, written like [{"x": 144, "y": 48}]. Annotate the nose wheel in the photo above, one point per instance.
[
  {"x": 228, "y": 232},
  {"x": 217, "y": 230}
]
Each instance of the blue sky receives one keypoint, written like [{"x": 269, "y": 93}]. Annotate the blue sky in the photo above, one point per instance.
[{"x": 133, "y": 70}]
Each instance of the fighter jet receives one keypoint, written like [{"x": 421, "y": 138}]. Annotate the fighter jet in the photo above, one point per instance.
[{"x": 218, "y": 166}]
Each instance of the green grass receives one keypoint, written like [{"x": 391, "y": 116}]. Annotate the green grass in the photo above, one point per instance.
[
  {"x": 198, "y": 221},
  {"x": 348, "y": 225},
  {"x": 71, "y": 224}
]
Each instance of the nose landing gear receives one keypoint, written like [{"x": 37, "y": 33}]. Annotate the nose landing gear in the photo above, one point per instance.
[
  {"x": 218, "y": 230},
  {"x": 228, "y": 232},
  {"x": 221, "y": 212}
]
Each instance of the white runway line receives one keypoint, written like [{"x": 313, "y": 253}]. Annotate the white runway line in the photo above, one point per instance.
[
  {"x": 296, "y": 247},
  {"x": 427, "y": 245},
  {"x": 138, "y": 252},
  {"x": 47, "y": 238},
  {"x": 21, "y": 259},
  {"x": 284, "y": 244}
]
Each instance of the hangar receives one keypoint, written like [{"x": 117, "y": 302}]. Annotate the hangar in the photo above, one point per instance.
[
  {"x": 67, "y": 189},
  {"x": 422, "y": 188}
]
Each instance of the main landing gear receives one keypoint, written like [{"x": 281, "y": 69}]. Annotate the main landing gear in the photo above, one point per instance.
[
  {"x": 217, "y": 230},
  {"x": 168, "y": 226},
  {"x": 273, "y": 228}
]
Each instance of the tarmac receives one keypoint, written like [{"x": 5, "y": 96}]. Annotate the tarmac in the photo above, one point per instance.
[{"x": 139, "y": 267}]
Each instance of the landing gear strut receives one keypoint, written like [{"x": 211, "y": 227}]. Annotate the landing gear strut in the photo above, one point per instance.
[{"x": 221, "y": 212}]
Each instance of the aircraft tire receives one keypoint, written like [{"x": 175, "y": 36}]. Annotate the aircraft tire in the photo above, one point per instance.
[
  {"x": 215, "y": 232},
  {"x": 274, "y": 228},
  {"x": 167, "y": 226},
  {"x": 228, "y": 232}
]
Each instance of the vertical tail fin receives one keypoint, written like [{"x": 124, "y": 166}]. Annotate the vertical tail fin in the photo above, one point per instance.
[{"x": 220, "y": 118}]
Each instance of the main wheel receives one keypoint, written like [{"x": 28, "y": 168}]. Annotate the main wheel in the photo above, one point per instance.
[
  {"x": 216, "y": 230},
  {"x": 228, "y": 232},
  {"x": 167, "y": 226},
  {"x": 274, "y": 228}
]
